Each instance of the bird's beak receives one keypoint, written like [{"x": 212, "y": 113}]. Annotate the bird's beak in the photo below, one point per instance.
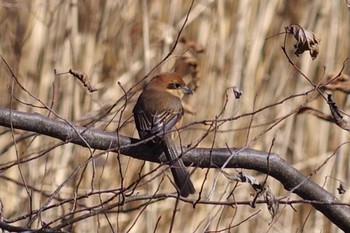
[{"x": 187, "y": 90}]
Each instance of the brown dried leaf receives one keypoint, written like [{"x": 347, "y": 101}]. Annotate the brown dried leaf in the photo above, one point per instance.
[
  {"x": 238, "y": 93},
  {"x": 306, "y": 40},
  {"x": 272, "y": 203},
  {"x": 83, "y": 78},
  {"x": 245, "y": 178},
  {"x": 338, "y": 83},
  {"x": 338, "y": 118},
  {"x": 341, "y": 189},
  {"x": 198, "y": 48},
  {"x": 187, "y": 64}
]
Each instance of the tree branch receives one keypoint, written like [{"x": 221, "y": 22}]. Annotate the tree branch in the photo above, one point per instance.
[{"x": 264, "y": 162}]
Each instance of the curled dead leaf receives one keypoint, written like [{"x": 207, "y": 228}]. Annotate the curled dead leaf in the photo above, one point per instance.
[
  {"x": 272, "y": 203},
  {"x": 306, "y": 40},
  {"x": 238, "y": 93},
  {"x": 341, "y": 189},
  {"x": 82, "y": 77},
  {"x": 338, "y": 117},
  {"x": 198, "y": 48},
  {"x": 245, "y": 178},
  {"x": 187, "y": 63},
  {"x": 338, "y": 83}
]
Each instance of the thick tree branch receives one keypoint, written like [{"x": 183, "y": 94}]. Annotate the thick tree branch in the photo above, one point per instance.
[{"x": 271, "y": 164}]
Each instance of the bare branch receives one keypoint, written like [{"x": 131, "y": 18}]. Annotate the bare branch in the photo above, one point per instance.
[{"x": 270, "y": 163}]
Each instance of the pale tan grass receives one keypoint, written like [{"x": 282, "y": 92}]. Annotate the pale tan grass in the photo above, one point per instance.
[{"x": 122, "y": 41}]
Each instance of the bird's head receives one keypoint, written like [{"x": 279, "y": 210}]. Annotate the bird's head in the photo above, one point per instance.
[{"x": 172, "y": 83}]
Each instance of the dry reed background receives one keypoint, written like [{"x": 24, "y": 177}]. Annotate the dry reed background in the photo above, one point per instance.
[{"x": 121, "y": 41}]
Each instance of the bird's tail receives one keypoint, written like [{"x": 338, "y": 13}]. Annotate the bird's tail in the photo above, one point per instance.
[{"x": 178, "y": 168}]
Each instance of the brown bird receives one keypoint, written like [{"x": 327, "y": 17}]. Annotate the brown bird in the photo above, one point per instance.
[{"x": 158, "y": 110}]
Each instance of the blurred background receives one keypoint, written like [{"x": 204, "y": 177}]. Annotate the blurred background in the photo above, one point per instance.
[{"x": 116, "y": 44}]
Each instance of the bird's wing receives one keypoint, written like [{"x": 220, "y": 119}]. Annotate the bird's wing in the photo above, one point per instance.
[
  {"x": 165, "y": 120},
  {"x": 150, "y": 124}
]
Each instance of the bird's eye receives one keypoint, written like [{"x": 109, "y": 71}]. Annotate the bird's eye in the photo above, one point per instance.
[
  {"x": 174, "y": 85},
  {"x": 177, "y": 85}
]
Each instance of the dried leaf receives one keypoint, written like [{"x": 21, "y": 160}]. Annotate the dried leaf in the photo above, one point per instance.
[
  {"x": 338, "y": 118},
  {"x": 187, "y": 64},
  {"x": 341, "y": 189},
  {"x": 83, "y": 78},
  {"x": 306, "y": 40},
  {"x": 198, "y": 48},
  {"x": 242, "y": 177},
  {"x": 238, "y": 93},
  {"x": 338, "y": 83},
  {"x": 272, "y": 203}
]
